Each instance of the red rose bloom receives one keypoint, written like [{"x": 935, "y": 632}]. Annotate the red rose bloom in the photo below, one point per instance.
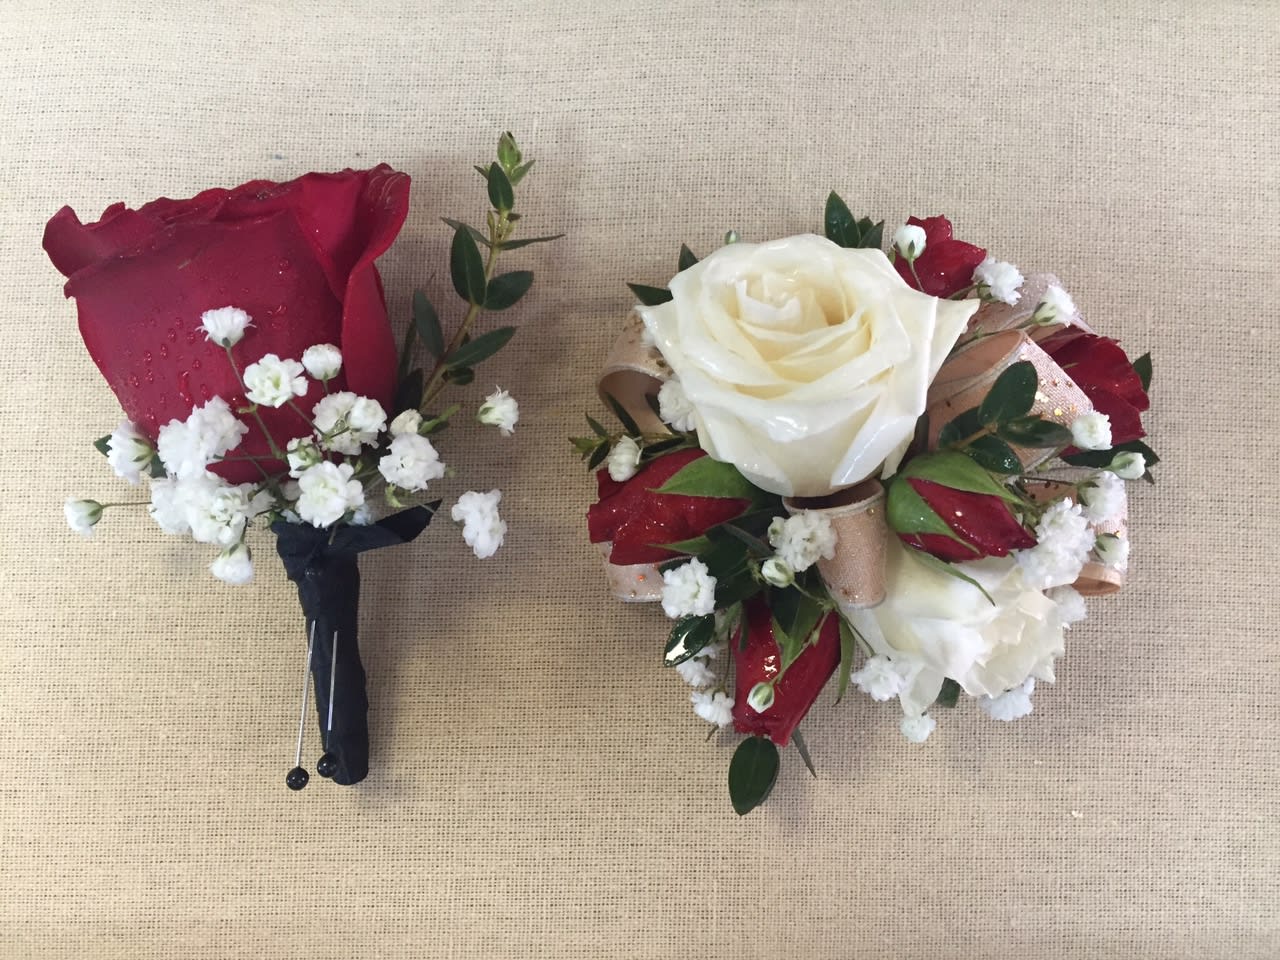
[
  {"x": 799, "y": 687},
  {"x": 635, "y": 518},
  {"x": 946, "y": 265},
  {"x": 983, "y": 522},
  {"x": 1103, "y": 371},
  {"x": 297, "y": 257}
]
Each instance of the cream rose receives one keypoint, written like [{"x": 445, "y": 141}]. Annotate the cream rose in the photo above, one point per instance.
[
  {"x": 938, "y": 626},
  {"x": 806, "y": 364}
]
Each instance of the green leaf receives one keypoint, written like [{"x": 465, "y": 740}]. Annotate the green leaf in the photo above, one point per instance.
[
  {"x": 409, "y": 392},
  {"x": 476, "y": 235},
  {"x": 508, "y": 152},
  {"x": 848, "y": 646},
  {"x": 961, "y": 428},
  {"x": 687, "y": 258},
  {"x": 1142, "y": 367},
  {"x": 929, "y": 560},
  {"x": 803, "y": 749},
  {"x": 689, "y": 635},
  {"x": 693, "y": 547},
  {"x": 949, "y": 695},
  {"x": 101, "y": 445},
  {"x": 1100, "y": 458},
  {"x": 483, "y": 171},
  {"x": 427, "y": 323},
  {"x": 501, "y": 195},
  {"x": 481, "y": 348},
  {"x": 599, "y": 456},
  {"x": 518, "y": 173},
  {"x": 872, "y": 235},
  {"x": 628, "y": 422},
  {"x": 752, "y": 773},
  {"x": 466, "y": 267},
  {"x": 907, "y": 512},
  {"x": 585, "y": 445},
  {"x": 596, "y": 426},
  {"x": 650, "y": 296},
  {"x": 517, "y": 244},
  {"x": 1011, "y": 395},
  {"x": 838, "y": 222},
  {"x": 158, "y": 472},
  {"x": 754, "y": 544},
  {"x": 994, "y": 454},
  {"x": 955, "y": 470},
  {"x": 506, "y": 288},
  {"x": 705, "y": 477},
  {"x": 795, "y": 618},
  {"x": 1035, "y": 432},
  {"x": 459, "y": 375}
]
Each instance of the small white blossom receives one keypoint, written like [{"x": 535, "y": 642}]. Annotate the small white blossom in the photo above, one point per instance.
[
  {"x": 674, "y": 407},
  {"x": 1128, "y": 465},
  {"x": 500, "y": 410},
  {"x": 716, "y": 708},
  {"x": 168, "y": 506},
  {"x": 302, "y": 453},
  {"x": 688, "y": 591},
  {"x": 272, "y": 382},
  {"x": 407, "y": 421},
  {"x": 1091, "y": 431},
  {"x": 216, "y": 510},
  {"x": 917, "y": 728},
  {"x": 1010, "y": 705},
  {"x": 327, "y": 492},
  {"x": 367, "y": 417},
  {"x": 1112, "y": 550},
  {"x": 1056, "y": 307},
  {"x": 1103, "y": 497},
  {"x": 322, "y": 361},
  {"x": 696, "y": 673},
  {"x": 187, "y": 447},
  {"x": 363, "y": 515},
  {"x": 1063, "y": 542},
  {"x": 998, "y": 280},
  {"x": 225, "y": 326},
  {"x": 803, "y": 539},
  {"x": 482, "y": 528},
  {"x": 909, "y": 241},
  {"x": 1071, "y": 606},
  {"x": 623, "y": 460},
  {"x": 234, "y": 565},
  {"x": 82, "y": 515},
  {"x": 411, "y": 463},
  {"x": 760, "y": 698},
  {"x": 882, "y": 679},
  {"x": 128, "y": 451},
  {"x": 776, "y": 573},
  {"x": 345, "y": 421}
]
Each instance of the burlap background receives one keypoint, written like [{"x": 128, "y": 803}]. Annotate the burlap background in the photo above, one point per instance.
[{"x": 541, "y": 788}]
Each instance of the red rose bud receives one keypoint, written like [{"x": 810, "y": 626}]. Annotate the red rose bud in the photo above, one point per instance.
[
  {"x": 799, "y": 687},
  {"x": 984, "y": 524},
  {"x": 636, "y": 518},
  {"x": 297, "y": 257},
  {"x": 1102, "y": 370},
  {"x": 946, "y": 265}
]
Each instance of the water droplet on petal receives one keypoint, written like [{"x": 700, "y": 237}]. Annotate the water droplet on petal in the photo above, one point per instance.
[
  {"x": 184, "y": 386},
  {"x": 164, "y": 351},
  {"x": 195, "y": 364},
  {"x": 146, "y": 356}
]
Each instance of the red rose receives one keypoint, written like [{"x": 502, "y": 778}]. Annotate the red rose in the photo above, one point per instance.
[
  {"x": 635, "y": 518},
  {"x": 946, "y": 266},
  {"x": 983, "y": 522},
  {"x": 297, "y": 257},
  {"x": 799, "y": 687},
  {"x": 1103, "y": 371}
]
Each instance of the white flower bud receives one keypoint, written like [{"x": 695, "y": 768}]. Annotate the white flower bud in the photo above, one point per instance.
[
  {"x": 234, "y": 565},
  {"x": 776, "y": 573},
  {"x": 1091, "y": 431},
  {"x": 500, "y": 410},
  {"x": 998, "y": 280},
  {"x": 674, "y": 407},
  {"x": 302, "y": 453},
  {"x": 323, "y": 361},
  {"x": 1128, "y": 465},
  {"x": 760, "y": 698},
  {"x": 272, "y": 382},
  {"x": 82, "y": 515},
  {"x": 128, "y": 452},
  {"x": 917, "y": 729},
  {"x": 624, "y": 460},
  {"x": 1112, "y": 550},
  {"x": 909, "y": 241},
  {"x": 1056, "y": 307},
  {"x": 225, "y": 326},
  {"x": 407, "y": 421}
]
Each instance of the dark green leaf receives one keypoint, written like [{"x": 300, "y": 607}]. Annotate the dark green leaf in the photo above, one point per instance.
[
  {"x": 599, "y": 456},
  {"x": 501, "y": 195},
  {"x": 705, "y": 477},
  {"x": 839, "y": 224},
  {"x": 803, "y": 749},
  {"x": 505, "y": 289},
  {"x": 650, "y": 296},
  {"x": 955, "y": 470},
  {"x": 158, "y": 471},
  {"x": 476, "y": 235},
  {"x": 483, "y": 171},
  {"x": 427, "y": 323},
  {"x": 994, "y": 455},
  {"x": 752, "y": 773},
  {"x": 466, "y": 267},
  {"x": 597, "y": 427},
  {"x": 929, "y": 560},
  {"x": 687, "y": 258},
  {"x": 459, "y": 375},
  {"x": 795, "y": 618},
  {"x": 628, "y": 422},
  {"x": 1142, "y": 367},
  {"x": 508, "y": 152},
  {"x": 872, "y": 236},
  {"x": 481, "y": 348},
  {"x": 101, "y": 445},
  {"x": 409, "y": 392},
  {"x": 848, "y": 645},
  {"x": 753, "y": 543},
  {"x": 517, "y": 244},
  {"x": 949, "y": 695},
  {"x": 1100, "y": 458},
  {"x": 1035, "y": 432},
  {"x": 959, "y": 429},
  {"x": 1011, "y": 395},
  {"x": 693, "y": 547},
  {"x": 688, "y": 636},
  {"x": 518, "y": 173}
]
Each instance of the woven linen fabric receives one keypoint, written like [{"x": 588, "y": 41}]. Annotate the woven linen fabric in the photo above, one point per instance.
[{"x": 540, "y": 786}]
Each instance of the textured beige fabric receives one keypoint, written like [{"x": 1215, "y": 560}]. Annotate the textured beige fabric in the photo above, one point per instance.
[{"x": 540, "y": 787}]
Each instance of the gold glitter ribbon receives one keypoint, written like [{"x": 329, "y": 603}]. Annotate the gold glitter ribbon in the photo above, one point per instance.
[
  {"x": 634, "y": 372},
  {"x": 855, "y": 575}
]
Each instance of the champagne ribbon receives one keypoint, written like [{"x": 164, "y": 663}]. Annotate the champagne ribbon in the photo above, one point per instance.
[
  {"x": 631, "y": 583},
  {"x": 633, "y": 373},
  {"x": 855, "y": 575},
  {"x": 995, "y": 316},
  {"x": 1096, "y": 579}
]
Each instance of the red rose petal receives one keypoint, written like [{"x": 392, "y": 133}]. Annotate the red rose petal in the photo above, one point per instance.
[
  {"x": 946, "y": 265},
  {"x": 981, "y": 520}
]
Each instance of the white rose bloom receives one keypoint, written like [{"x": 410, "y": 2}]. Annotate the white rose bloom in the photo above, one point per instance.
[
  {"x": 187, "y": 447},
  {"x": 169, "y": 506},
  {"x": 482, "y": 528},
  {"x": 1063, "y": 542},
  {"x": 941, "y": 626},
  {"x": 807, "y": 364},
  {"x": 917, "y": 727},
  {"x": 1071, "y": 605},
  {"x": 82, "y": 515},
  {"x": 128, "y": 451},
  {"x": 803, "y": 539},
  {"x": 883, "y": 679},
  {"x": 407, "y": 421},
  {"x": 674, "y": 407},
  {"x": 272, "y": 382},
  {"x": 623, "y": 460},
  {"x": 234, "y": 565},
  {"x": 225, "y": 326},
  {"x": 909, "y": 241},
  {"x": 696, "y": 673},
  {"x": 999, "y": 280},
  {"x": 1128, "y": 465},
  {"x": 216, "y": 511},
  {"x": 322, "y": 361},
  {"x": 500, "y": 410},
  {"x": 1113, "y": 550},
  {"x": 326, "y": 493},
  {"x": 1091, "y": 431},
  {"x": 716, "y": 708},
  {"x": 411, "y": 463},
  {"x": 1010, "y": 705},
  {"x": 1103, "y": 497},
  {"x": 302, "y": 453},
  {"x": 688, "y": 591},
  {"x": 346, "y": 421}
]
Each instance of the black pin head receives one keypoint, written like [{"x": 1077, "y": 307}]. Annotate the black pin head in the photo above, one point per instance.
[
  {"x": 297, "y": 778},
  {"x": 327, "y": 766}
]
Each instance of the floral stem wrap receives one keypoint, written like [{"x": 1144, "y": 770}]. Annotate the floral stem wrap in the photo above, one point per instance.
[{"x": 323, "y": 565}]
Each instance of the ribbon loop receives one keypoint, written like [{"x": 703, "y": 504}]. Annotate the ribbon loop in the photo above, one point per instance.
[
  {"x": 634, "y": 372},
  {"x": 856, "y": 575}
]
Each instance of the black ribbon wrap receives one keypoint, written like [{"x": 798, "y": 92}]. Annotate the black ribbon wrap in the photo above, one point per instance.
[{"x": 323, "y": 565}]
